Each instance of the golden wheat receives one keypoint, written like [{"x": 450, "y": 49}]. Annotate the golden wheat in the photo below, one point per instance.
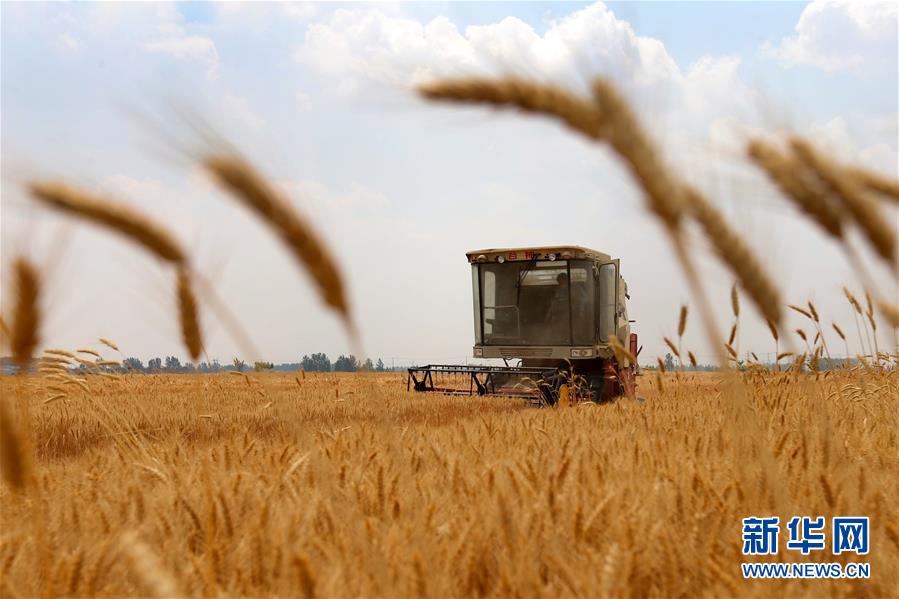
[
  {"x": 235, "y": 503},
  {"x": 113, "y": 215},
  {"x": 889, "y": 188},
  {"x": 189, "y": 316},
  {"x": 241, "y": 179},
  {"x": 734, "y": 252},
  {"x": 862, "y": 208},
  {"x": 24, "y": 336},
  {"x": 682, "y": 321},
  {"x": 788, "y": 175}
]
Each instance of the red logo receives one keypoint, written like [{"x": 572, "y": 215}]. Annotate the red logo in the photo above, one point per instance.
[{"x": 513, "y": 256}]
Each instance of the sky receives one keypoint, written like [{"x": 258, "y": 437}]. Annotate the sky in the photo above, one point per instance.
[{"x": 119, "y": 98}]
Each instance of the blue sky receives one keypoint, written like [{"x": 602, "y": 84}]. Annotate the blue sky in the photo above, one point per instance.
[{"x": 319, "y": 96}]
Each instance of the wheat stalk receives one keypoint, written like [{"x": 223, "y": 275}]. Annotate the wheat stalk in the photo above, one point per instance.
[
  {"x": 663, "y": 192},
  {"x": 112, "y": 215},
  {"x": 734, "y": 252},
  {"x": 109, "y": 344},
  {"x": 788, "y": 175},
  {"x": 773, "y": 328},
  {"x": 577, "y": 113},
  {"x": 190, "y": 320},
  {"x": 13, "y": 455},
  {"x": 241, "y": 179},
  {"x": 148, "y": 568},
  {"x": 863, "y": 209},
  {"x": 799, "y": 309},
  {"x": 682, "y": 321},
  {"x": 692, "y": 358},
  {"x": 889, "y": 188},
  {"x": 24, "y": 336},
  {"x": 890, "y": 312},
  {"x": 735, "y": 301}
]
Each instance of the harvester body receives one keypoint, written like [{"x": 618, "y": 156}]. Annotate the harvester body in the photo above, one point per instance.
[{"x": 558, "y": 310}]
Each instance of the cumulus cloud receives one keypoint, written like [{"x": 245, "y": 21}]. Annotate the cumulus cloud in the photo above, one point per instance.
[
  {"x": 69, "y": 41},
  {"x": 843, "y": 36},
  {"x": 191, "y": 47},
  {"x": 318, "y": 197},
  {"x": 364, "y": 48},
  {"x": 299, "y": 10},
  {"x": 237, "y": 108},
  {"x": 173, "y": 40},
  {"x": 304, "y": 102},
  {"x": 368, "y": 44}
]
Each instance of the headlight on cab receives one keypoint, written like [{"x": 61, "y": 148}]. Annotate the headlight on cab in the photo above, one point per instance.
[{"x": 478, "y": 352}]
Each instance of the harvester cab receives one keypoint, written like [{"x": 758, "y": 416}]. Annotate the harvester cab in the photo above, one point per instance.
[{"x": 559, "y": 311}]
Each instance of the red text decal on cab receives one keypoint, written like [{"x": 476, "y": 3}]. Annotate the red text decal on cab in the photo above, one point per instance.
[{"x": 512, "y": 256}]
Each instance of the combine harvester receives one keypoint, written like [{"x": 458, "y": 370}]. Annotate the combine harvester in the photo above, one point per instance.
[{"x": 556, "y": 310}]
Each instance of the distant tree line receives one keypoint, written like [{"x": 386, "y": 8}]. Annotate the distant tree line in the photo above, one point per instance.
[{"x": 318, "y": 362}]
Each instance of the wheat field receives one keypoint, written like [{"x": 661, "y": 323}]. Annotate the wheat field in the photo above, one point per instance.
[{"x": 347, "y": 485}]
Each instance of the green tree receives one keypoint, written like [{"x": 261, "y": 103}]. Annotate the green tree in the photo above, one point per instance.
[{"x": 133, "y": 364}]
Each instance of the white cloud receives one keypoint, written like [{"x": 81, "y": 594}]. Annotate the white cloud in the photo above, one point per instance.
[
  {"x": 843, "y": 36},
  {"x": 299, "y": 10},
  {"x": 237, "y": 108},
  {"x": 304, "y": 102},
  {"x": 68, "y": 41},
  {"x": 173, "y": 40},
  {"x": 399, "y": 51},
  {"x": 186, "y": 47},
  {"x": 839, "y": 139},
  {"x": 362, "y": 49},
  {"x": 321, "y": 198}
]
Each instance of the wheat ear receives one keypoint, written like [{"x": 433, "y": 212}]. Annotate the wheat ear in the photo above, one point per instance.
[
  {"x": 627, "y": 137},
  {"x": 734, "y": 252},
  {"x": 890, "y": 312},
  {"x": 528, "y": 96},
  {"x": 13, "y": 456},
  {"x": 885, "y": 186},
  {"x": 190, "y": 320},
  {"x": 682, "y": 320},
  {"x": 787, "y": 174},
  {"x": 24, "y": 336},
  {"x": 148, "y": 568},
  {"x": 241, "y": 179},
  {"x": 112, "y": 215},
  {"x": 863, "y": 209}
]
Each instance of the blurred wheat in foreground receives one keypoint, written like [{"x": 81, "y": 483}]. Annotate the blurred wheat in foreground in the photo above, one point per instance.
[{"x": 213, "y": 486}]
